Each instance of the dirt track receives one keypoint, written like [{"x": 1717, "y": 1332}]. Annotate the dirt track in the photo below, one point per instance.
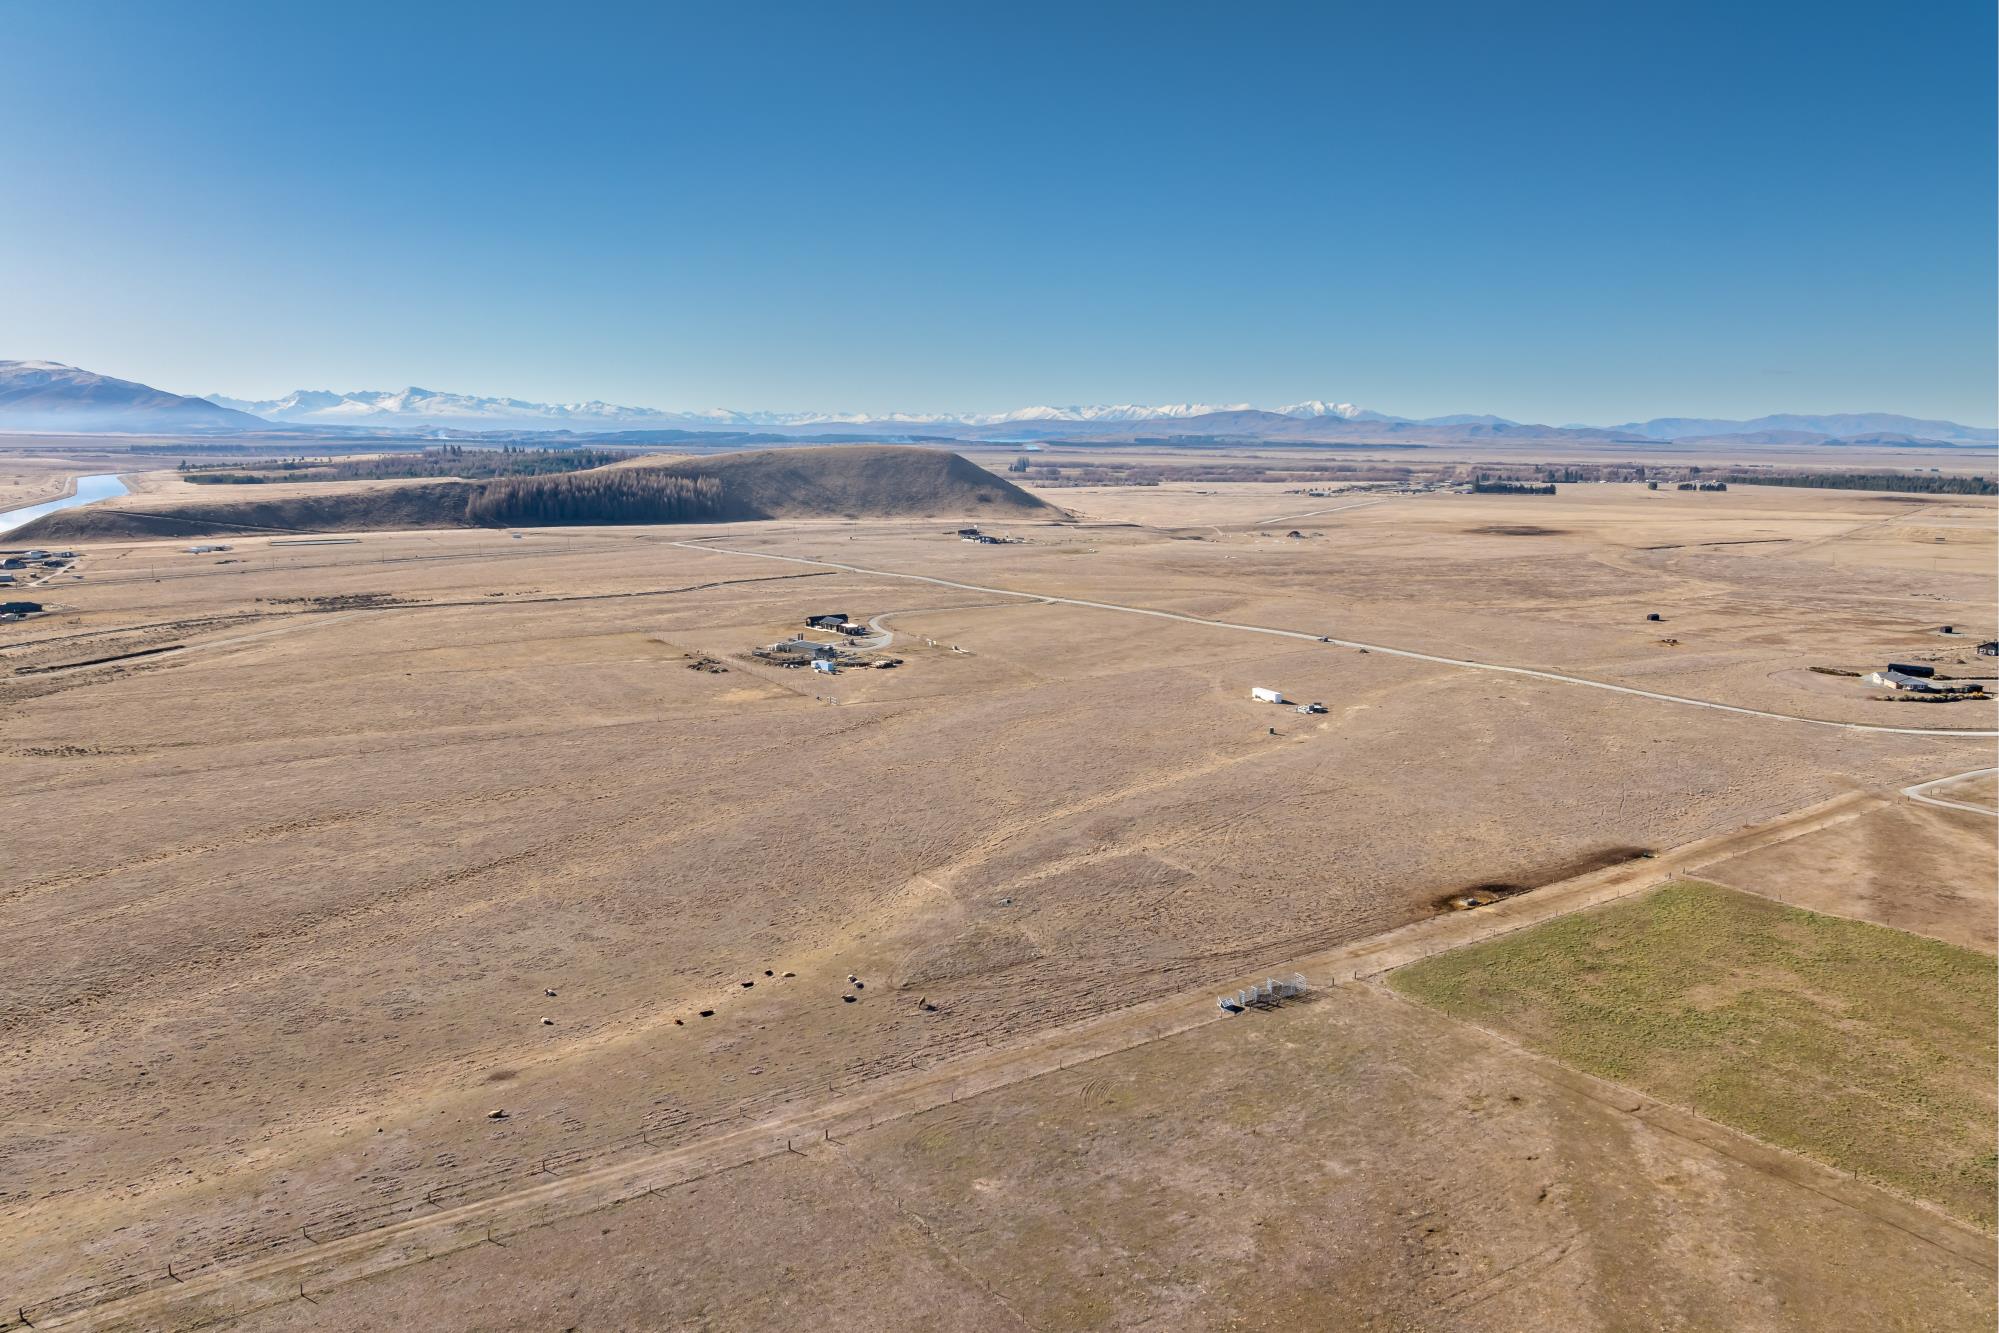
[
  {"x": 1353, "y": 643},
  {"x": 1921, "y": 792},
  {"x": 316, "y": 1266}
]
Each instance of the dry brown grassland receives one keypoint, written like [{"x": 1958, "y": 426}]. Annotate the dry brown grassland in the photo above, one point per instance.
[{"x": 285, "y": 903}]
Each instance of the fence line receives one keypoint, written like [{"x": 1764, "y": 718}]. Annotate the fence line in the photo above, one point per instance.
[{"x": 676, "y": 1130}]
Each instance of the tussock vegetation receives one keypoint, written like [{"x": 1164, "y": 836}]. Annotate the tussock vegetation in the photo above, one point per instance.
[{"x": 1868, "y": 1048}]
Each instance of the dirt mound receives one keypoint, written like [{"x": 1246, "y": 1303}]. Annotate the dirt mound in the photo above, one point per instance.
[{"x": 838, "y": 481}]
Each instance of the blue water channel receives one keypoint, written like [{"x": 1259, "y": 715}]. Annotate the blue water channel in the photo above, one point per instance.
[{"x": 100, "y": 486}]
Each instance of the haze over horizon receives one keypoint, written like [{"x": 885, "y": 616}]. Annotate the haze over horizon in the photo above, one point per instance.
[
  {"x": 41, "y": 395},
  {"x": 1557, "y": 216}
]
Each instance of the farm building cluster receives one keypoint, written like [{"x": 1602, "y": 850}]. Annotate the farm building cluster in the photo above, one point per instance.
[
  {"x": 32, "y": 567},
  {"x": 985, "y": 538},
  {"x": 1920, "y": 678},
  {"x": 823, "y": 656},
  {"x": 1265, "y": 695}
]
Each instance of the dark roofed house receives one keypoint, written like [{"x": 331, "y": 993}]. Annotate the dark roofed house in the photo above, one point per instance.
[
  {"x": 831, "y": 620},
  {"x": 1990, "y": 648},
  {"x": 1913, "y": 669},
  {"x": 19, "y": 608}
]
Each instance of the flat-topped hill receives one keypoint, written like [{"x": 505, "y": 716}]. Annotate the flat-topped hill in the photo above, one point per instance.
[
  {"x": 839, "y": 481},
  {"x": 860, "y": 481}
]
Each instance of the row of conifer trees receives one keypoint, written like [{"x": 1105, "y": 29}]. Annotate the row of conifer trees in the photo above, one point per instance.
[{"x": 622, "y": 495}]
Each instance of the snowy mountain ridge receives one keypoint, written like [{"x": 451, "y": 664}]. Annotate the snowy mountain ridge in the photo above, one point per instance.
[{"x": 415, "y": 406}]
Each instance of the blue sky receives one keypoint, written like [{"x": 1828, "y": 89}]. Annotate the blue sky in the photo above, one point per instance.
[{"x": 1556, "y": 212}]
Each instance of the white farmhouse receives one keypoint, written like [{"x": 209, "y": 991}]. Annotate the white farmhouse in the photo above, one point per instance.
[{"x": 1896, "y": 680}]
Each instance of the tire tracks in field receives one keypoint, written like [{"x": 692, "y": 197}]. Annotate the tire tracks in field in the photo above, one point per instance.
[{"x": 222, "y": 1292}]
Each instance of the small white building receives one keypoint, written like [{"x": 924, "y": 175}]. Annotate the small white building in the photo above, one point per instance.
[
  {"x": 830, "y": 668},
  {"x": 1261, "y": 695},
  {"x": 1896, "y": 680}
]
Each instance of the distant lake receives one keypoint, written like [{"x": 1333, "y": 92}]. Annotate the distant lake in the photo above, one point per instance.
[{"x": 100, "y": 486}]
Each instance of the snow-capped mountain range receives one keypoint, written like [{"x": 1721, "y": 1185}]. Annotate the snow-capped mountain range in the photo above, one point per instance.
[
  {"x": 47, "y": 396},
  {"x": 430, "y": 408},
  {"x": 427, "y": 409}
]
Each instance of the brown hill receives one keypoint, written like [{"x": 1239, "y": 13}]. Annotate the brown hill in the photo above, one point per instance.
[
  {"x": 858, "y": 480},
  {"x": 839, "y": 481}
]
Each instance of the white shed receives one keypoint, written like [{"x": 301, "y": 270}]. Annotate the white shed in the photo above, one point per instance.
[
  {"x": 1897, "y": 680},
  {"x": 823, "y": 665},
  {"x": 1262, "y": 695}
]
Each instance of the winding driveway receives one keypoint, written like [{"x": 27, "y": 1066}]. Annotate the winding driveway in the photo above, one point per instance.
[{"x": 1920, "y": 791}]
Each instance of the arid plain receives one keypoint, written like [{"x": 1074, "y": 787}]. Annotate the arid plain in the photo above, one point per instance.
[{"x": 404, "y": 831}]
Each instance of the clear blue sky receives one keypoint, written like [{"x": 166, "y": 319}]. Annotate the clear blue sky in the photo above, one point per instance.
[{"x": 1557, "y": 212}]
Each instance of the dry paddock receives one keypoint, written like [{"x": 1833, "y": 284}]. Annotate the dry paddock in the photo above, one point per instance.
[
  {"x": 290, "y": 896},
  {"x": 1353, "y": 1162}
]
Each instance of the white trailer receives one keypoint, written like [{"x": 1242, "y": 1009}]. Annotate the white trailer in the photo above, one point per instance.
[{"x": 1261, "y": 695}]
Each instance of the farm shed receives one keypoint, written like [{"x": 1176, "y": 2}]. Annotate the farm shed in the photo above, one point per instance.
[
  {"x": 1896, "y": 680},
  {"x": 1266, "y": 696}
]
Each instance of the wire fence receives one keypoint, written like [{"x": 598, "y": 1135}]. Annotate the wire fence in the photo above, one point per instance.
[
  {"x": 672, "y": 1129},
  {"x": 660, "y": 1131}
]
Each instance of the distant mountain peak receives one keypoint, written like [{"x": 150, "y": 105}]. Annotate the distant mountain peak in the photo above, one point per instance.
[
  {"x": 1830, "y": 425},
  {"x": 50, "y": 396}
]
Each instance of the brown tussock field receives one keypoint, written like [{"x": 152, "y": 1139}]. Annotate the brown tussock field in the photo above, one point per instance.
[{"x": 288, "y": 898}]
